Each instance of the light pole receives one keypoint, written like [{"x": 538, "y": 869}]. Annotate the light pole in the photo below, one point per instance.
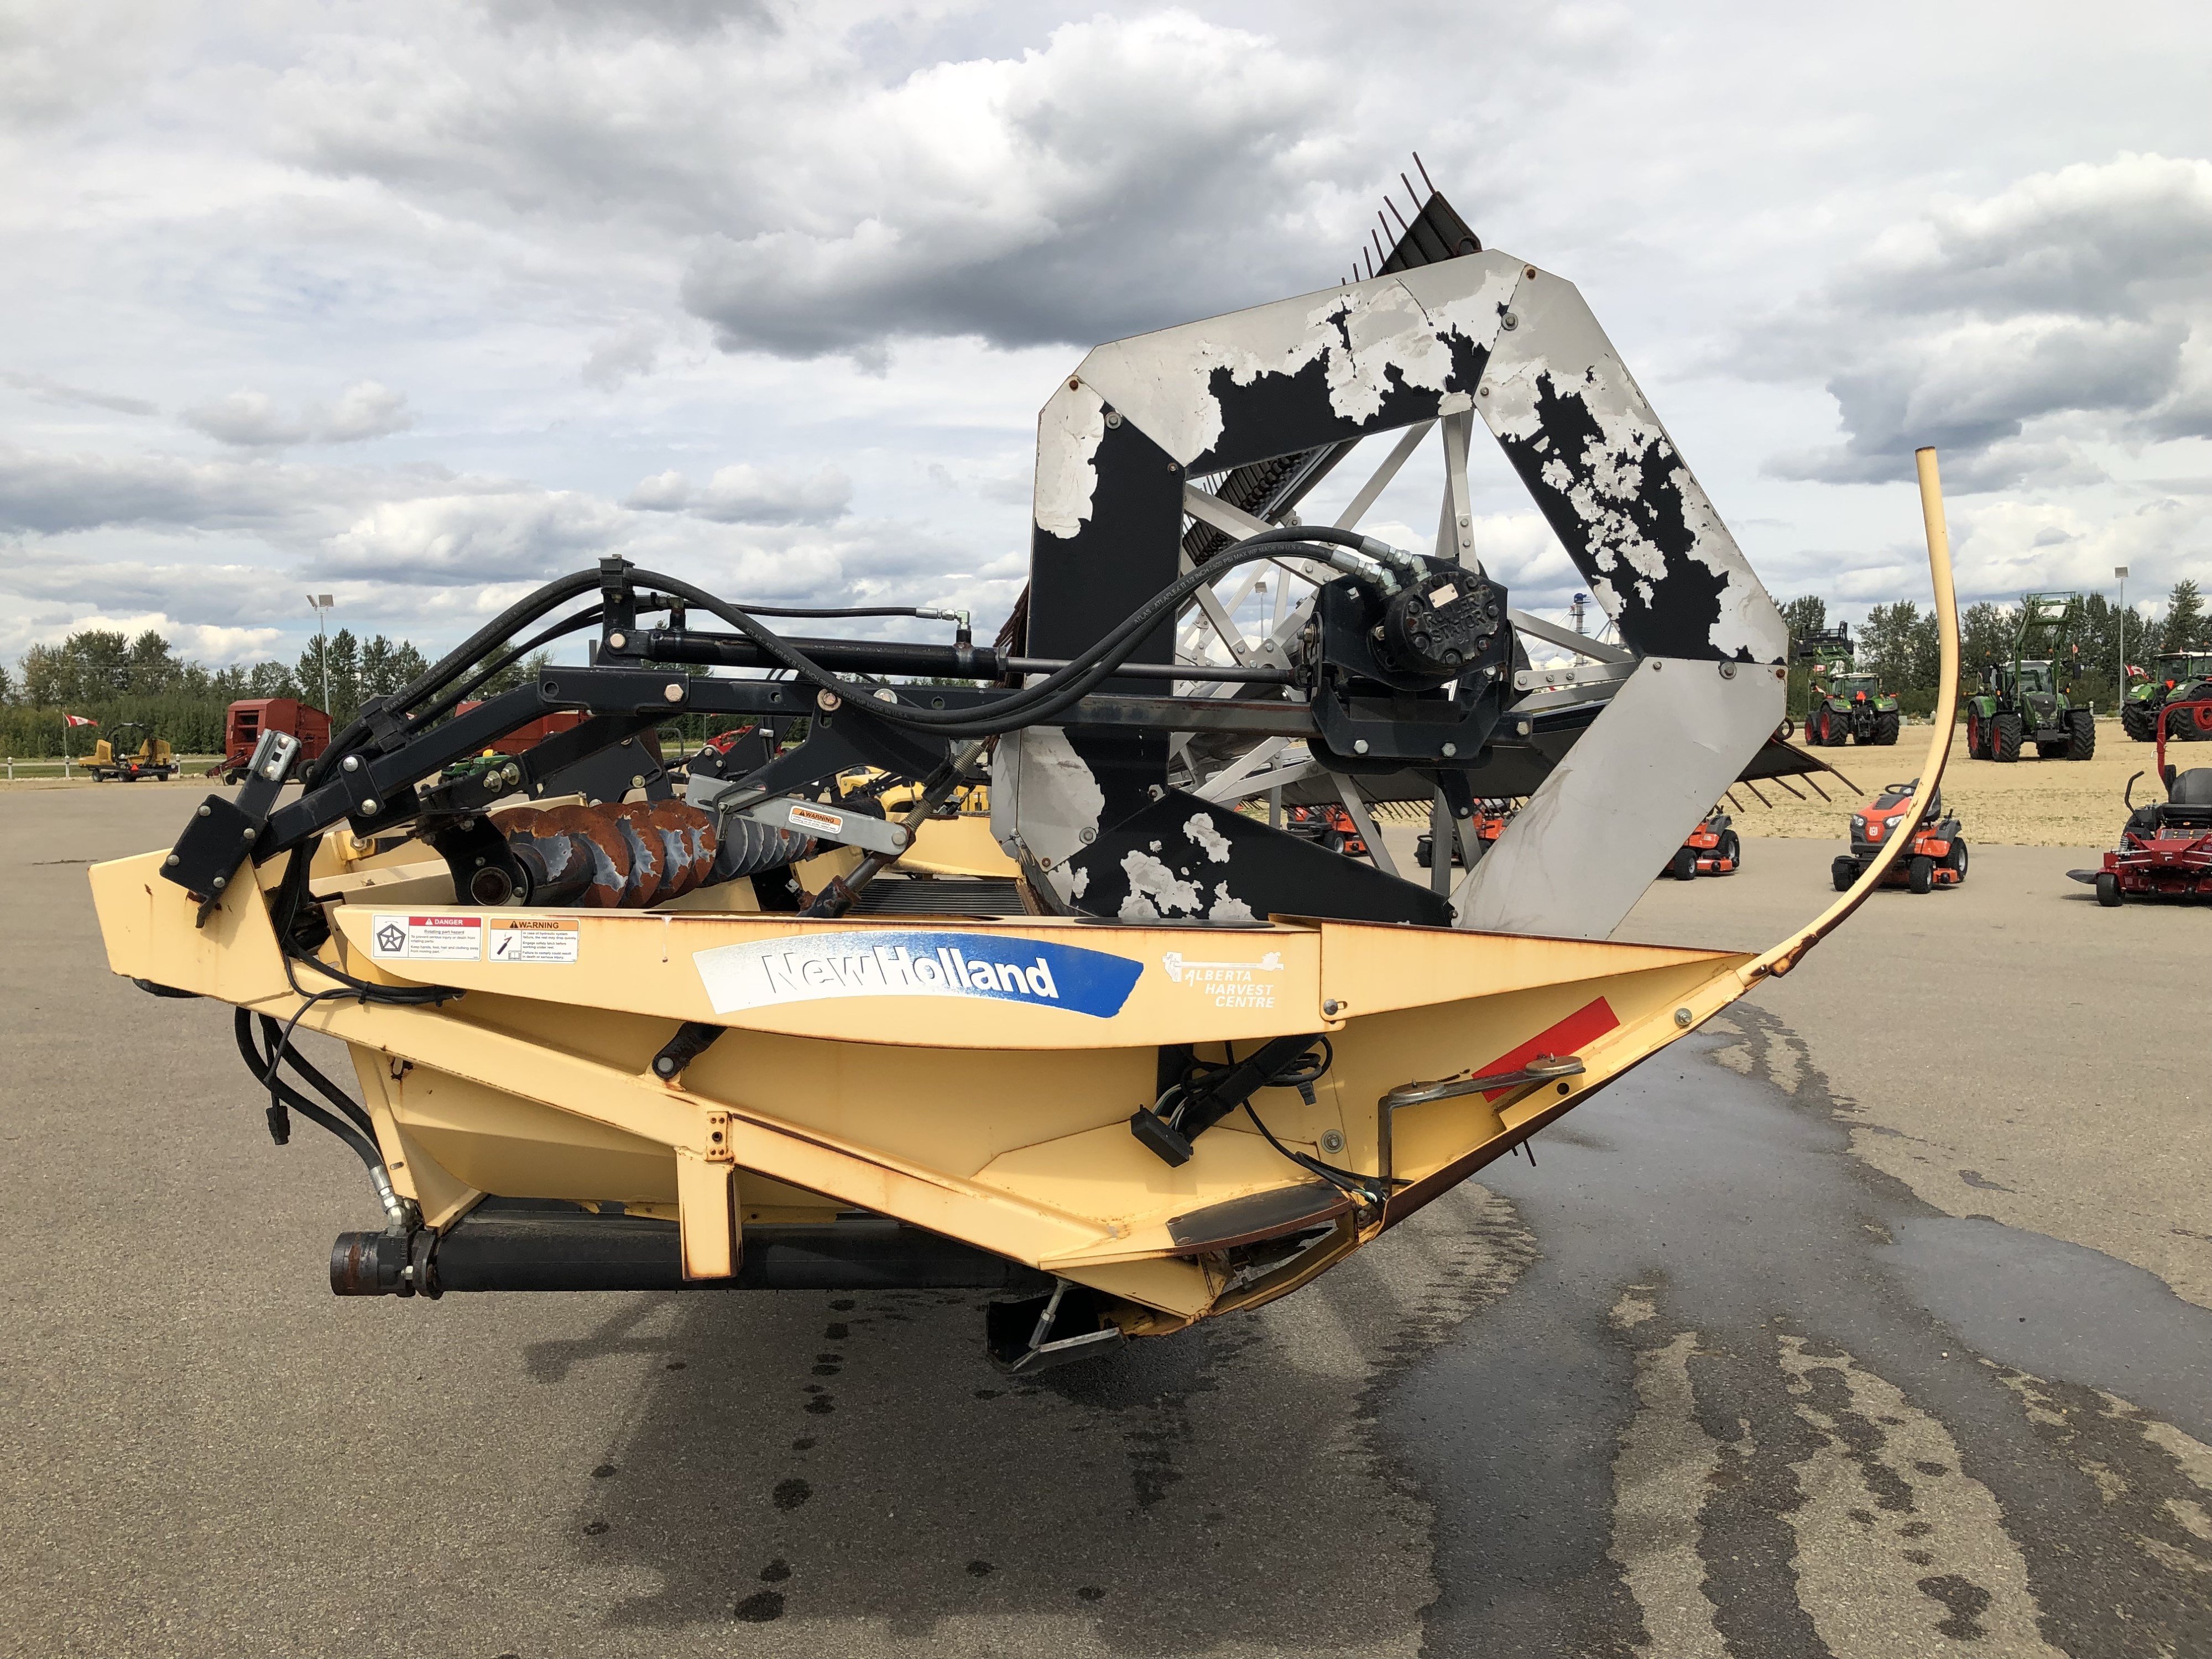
[
  {"x": 321, "y": 605},
  {"x": 2121, "y": 571}
]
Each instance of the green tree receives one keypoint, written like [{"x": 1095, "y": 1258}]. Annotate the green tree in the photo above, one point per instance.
[
  {"x": 153, "y": 670},
  {"x": 343, "y": 654},
  {"x": 2184, "y": 618},
  {"x": 7, "y": 686},
  {"x": 345, "y": 675},
  {"x": 376, "y": 677},
  {"x": 1901, "y": 647},
  {"x": 407, "y": 664},
  {"x": 272, "y": 679}
]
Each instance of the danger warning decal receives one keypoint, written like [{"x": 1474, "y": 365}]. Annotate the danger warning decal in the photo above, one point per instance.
[
  {"x": 427, "y": 939},
  {"x": 916, "y": 963}
]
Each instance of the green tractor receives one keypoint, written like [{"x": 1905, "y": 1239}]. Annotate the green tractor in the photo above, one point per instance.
[
  {"x": 2030, "y": 698},
  {"x": 2180, "y": 677},
  {"x": 1845, "y": 704}
]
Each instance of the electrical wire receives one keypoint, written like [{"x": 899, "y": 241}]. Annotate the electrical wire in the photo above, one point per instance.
[{"x": 1302, "y": 1071}]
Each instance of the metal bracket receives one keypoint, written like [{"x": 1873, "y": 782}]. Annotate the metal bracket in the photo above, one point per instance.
[
  {"x": 1544, "y": 1068},
  {"x": 806, "y": 817}
]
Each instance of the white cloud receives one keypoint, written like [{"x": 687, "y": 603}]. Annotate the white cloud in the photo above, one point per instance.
[
  {"x": 749, "y": 494},
  {"x": 252, "y": 420},
  {"x": 537, "y": 215},
  {"x": 2071, "y": 306},
  {"x": 624, "y": 354},
  {"x": 56, "y": 391}
]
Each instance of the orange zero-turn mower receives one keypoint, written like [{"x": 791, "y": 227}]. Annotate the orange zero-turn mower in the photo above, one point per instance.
[
  {"x": 1713, "y": 849},
  {"x": 1937, "y": 856}
]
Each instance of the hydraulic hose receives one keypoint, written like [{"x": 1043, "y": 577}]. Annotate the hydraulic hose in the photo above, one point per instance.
[
  {"x": 581, "y": 619},
  {"x": 456, "y": 662},
  {"x": 1346, "y": 550}
]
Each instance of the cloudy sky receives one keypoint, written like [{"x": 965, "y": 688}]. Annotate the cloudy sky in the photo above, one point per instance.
[{"x": 418, "y": 303}]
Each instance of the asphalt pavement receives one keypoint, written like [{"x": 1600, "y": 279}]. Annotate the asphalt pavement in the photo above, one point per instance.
[{"x": 1848, "y": 1326}]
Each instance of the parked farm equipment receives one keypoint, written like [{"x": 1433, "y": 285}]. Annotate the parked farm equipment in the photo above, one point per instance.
[
  {"x": 1197, "y": 1061},
  {"x": 2029, "y": 698},
  {"x": 247, "y": 720},
  {"x": 114, "y": 759},
  {"x": 1935, "y": 847},
  {"x": 2165, "y": 846},
  {"x": 1846, "y": 704},
  {"x": 1713, "y": 849},
  {"x": 2179, "y": 677}
]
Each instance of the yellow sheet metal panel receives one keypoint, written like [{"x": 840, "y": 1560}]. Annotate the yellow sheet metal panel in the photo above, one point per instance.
[
  {"x": 1043, "y": 982},
  {"x": 496, "y": 1141},
  {"x": 148, "y": 926},
  {"x": 960, "y": 847},
  {"x": 1371, "y": 967}
]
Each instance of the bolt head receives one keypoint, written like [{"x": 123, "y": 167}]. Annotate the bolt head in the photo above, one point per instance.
[
  {"x": 618, "y": 641},
  {"x": 202, "y": 813},
  {"x": 247, "y": 837},
  {"x": 673, "y": 691},
  {"x": 350, "y": 764},
  {"x": 827, "y": 701},
  {"x": 1450, "y": 749},
  {"x": 222, "y": 882},
  {"x": 367, "y": 807},
  {"x": 1332, "y": 1007},
  {"x": 172, "y": 861},
  {"x": 1682, "y": 1017},
  {"x": 1359, "y": 746}
]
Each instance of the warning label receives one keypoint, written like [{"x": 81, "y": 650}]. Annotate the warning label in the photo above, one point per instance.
[
  {"x": 533, "y": 938},
  {"x": 813, "y": 817},
  {"x": 428, "y": 939}
]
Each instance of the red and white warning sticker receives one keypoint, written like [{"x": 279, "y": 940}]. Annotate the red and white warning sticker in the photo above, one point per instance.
[
  {"x": 427, "y": 939},
  {"x": 535, "y": 939}
]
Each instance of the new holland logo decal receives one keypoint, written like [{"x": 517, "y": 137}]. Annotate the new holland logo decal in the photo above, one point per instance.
[{"x": 912, "y": 963}]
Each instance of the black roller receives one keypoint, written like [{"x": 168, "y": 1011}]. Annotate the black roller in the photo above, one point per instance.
[{"x": 573, "y": 1250}]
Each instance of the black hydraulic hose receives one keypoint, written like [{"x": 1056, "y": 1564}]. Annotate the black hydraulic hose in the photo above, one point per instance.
[
  {"x": 265, "y": 1070},
  {"x": 1062, "y": 688},
  {"x": 341, "y": 1101},
  {"x": 586, "y": 618},
  {"x": 932, "y": 612},
  {"x": 493, "y": 634}
]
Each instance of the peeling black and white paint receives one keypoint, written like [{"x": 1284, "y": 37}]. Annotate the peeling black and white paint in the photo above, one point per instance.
[
  {"x": 1615, "y": 490},
  {"x": 1485, "y": 333}
]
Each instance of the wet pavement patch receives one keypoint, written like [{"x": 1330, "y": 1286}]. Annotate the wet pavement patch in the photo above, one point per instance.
[{"x": 2060, "y": 1310}]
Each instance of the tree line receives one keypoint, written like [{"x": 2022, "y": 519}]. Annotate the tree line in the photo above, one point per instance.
[
  {"x": 1898, "y": 644},
  {"x": 102, "y": 675}
]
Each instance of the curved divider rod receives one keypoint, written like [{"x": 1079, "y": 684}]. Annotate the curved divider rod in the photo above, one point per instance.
[{"x": 1786, "y": 956}]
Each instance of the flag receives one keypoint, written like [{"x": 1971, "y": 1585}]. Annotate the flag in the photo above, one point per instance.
[{"x": 77, "y": 719}]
